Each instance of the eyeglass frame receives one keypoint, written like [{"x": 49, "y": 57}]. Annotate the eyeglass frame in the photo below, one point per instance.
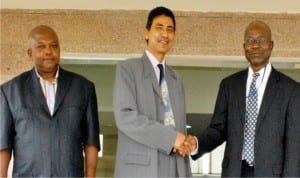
[{"x": 260, "y": 41}]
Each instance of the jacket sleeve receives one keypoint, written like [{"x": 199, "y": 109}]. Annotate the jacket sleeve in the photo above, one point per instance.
[
  {"x": 214, "y": 134},
  {"x": 6, "y": 123},
  {"x": 292, "y": 138},
  {"x": 91, "y": 129}
]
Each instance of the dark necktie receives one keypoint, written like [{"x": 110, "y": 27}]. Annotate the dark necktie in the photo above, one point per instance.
[
  {"x": 251, "y": 118},
  {"x": 161, "y": 73}
]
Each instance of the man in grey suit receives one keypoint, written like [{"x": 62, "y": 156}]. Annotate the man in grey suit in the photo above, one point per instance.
[
  {"x": 256, "y": 114},
  {"x": 48, "y": 116},
  {"x": 149, "y": 108}
]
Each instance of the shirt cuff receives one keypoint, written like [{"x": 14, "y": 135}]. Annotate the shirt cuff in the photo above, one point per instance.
[{"x": 195, "y": 151}]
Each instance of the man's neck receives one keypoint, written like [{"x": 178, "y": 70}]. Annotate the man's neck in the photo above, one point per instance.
[
  {"x": 159, "y": 56},
  {"x": 257, "y": 68},
  {"x": 49, "y": 76}
]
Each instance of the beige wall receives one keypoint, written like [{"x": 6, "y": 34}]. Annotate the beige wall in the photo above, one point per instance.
[{"x": 121, "y": 32}]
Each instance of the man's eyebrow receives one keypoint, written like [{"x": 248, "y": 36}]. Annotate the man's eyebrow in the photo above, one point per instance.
[{"x": 158, "y": 24}]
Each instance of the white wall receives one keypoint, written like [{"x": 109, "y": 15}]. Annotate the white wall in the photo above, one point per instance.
[{"x": 264, "y": 6}]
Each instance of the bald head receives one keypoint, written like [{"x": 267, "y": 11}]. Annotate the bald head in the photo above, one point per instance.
[
  {"x": 42, "y": 29},
  {"x": 259, "y": 25}
]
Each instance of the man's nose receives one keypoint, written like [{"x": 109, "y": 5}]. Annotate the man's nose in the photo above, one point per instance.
[
  {"x": 256, "y": 45},
  {"x": 48, "y": 50},
  {"x": 164, "y": 32}
]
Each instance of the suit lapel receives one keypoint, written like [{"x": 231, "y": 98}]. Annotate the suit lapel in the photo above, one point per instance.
[
  {"x": 170, "y": 78},
  {"x": 269, "y": 95},
  {"x": 149, "y": 74},
  {"x": 172, "y": 87},
  {"x": 241, "y": 93},
  {"x": 36, "y": 91},
  {"x": 63, "y": 85}
]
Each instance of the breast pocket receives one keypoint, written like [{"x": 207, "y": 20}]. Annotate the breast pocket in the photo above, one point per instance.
[{"x": 24, "y": 125}]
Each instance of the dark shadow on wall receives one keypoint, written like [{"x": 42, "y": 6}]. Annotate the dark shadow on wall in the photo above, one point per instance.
[{"x": 198, "y": 122}]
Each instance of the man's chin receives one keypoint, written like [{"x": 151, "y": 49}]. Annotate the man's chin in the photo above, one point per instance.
[
  {"x": 164, "y": 51},
  {"x": 255, "y": 60},
  {"x": 48, "y": 69}
]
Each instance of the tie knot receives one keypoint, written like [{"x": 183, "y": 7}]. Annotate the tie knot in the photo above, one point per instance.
[
  {"x": 255, "y": 76},
  {"x": 161, "y": 67}
]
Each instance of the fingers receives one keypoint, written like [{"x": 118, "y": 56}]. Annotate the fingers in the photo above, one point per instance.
[
  {"x": 182, "y": 151},
  {"x": 190, "y": 142},
  {"x": 180, "y": 138},
  {"x": 184, "y": 145}
]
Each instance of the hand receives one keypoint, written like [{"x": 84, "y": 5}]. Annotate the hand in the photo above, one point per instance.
[
  {"x": 178, "y": 145},
  {"x": 187, "y": 146},
  {"x": 182, "y": 151},
  {"x": 190, "y": 143}
]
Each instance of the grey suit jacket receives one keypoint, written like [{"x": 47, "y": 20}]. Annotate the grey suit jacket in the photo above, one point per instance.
[
  {"x": 139, "y": 113},
  {"x": 45, "y": 145},
  {"x": 274, "y": 149}
]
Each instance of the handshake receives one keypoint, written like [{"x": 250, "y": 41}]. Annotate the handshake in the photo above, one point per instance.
[{"x": 184, "y": 145}]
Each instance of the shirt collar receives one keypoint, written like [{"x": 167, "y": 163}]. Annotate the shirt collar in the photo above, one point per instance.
[
  {"x": 153, "y": 59},
  {"x": 56, "y": 75},
  {"x": 263, "y": 71}
]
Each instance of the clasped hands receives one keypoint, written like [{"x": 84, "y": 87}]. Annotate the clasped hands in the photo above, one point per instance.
[{"x": 184, "y": 145}]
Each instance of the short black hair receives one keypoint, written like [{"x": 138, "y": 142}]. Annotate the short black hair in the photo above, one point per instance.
[{"x": 158, "y": 11}]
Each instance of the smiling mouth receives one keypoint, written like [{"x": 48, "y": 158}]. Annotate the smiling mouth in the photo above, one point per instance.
[
  {"x": 163, "y": 42},
  {"x": 48, "y": 59},
  {"x": 255, "y": 54}
]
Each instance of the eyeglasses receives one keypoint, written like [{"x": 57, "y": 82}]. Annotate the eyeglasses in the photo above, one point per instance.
[{"x": 259, "y": 41}]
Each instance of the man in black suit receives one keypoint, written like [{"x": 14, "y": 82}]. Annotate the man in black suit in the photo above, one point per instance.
[
  {"x": 254, "y": 115},
  {"x": 48, "y": 116}
]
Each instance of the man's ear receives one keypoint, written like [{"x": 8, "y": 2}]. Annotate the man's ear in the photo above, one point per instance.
[
  {"x": 272, "y": 44},
  {"x": 146, "y": 35},
  {"x": 29, "y": 52}
]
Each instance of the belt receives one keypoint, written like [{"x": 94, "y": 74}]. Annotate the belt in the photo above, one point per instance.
[{"x": 246, "y": 164}]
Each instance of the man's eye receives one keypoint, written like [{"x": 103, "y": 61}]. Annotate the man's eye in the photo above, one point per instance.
[
  {"x": 54, "y": 46},
  {"x": 170, "y": 29},
  {"x": 40, "y": 46},
  {"x": 158, "y": 28},
  {"x": 261, "y": 40},
  {"x": 249, "y": 40}
]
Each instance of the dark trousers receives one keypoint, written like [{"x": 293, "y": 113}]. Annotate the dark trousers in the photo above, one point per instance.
[{"x": 247, "y": 170}]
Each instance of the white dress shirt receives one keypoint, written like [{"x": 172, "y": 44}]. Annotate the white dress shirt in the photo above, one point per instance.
[{"x": 261, "y": 82}]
